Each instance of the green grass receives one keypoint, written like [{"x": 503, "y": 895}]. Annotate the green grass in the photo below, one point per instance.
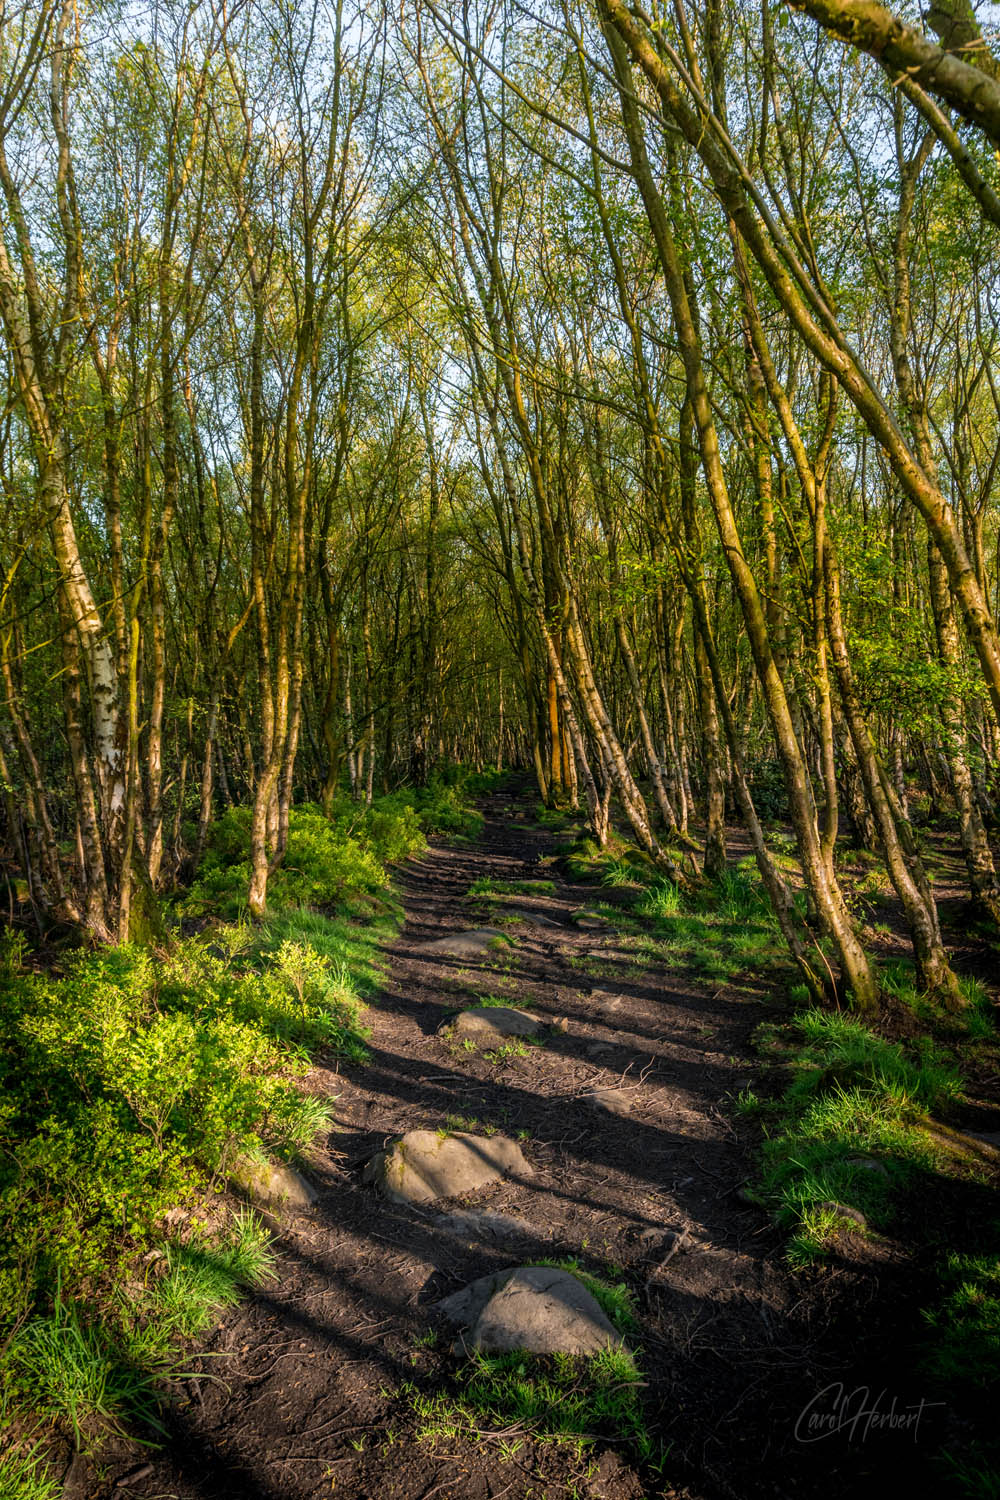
[
  {"x": 79, "y": 1372},
  {"x": 662, "y": 900},
  {"x": 962, "y": 1354},
  {"x": 498, "y": 888},
  {"x": 618, "y": 873},
  {"x": 351, "y": 948},
  {"x": 847, "y": 1129},
  {"x": 966, "y": 1322},
  {"x": 556, "y": 1399},
  {"x": 92, "y": 1368},
  {"x": 203, "y": 1279},
  {"x": 468, "y": 1125},
  {"x": 976, "y": 1021},
  {"x": 973, "y": 1474},
  {"x": 714, "y": 931},
  {"x": 508, "y": 1052},
  {"x": 24, "y": 1475},
  {"x": 553, "y": 817}
]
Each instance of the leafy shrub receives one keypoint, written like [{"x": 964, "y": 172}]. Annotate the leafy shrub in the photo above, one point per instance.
[
  {"x": 444, "y": 809},
  {"x": 324, "y": 865},
  {"x": 131, "y": 1077},
  {"x": 130, "y": 1082},
  {"x": 767, "y": 788}
]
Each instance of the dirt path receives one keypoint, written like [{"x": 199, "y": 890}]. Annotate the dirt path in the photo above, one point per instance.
[{"x": 307, "y": 1400}]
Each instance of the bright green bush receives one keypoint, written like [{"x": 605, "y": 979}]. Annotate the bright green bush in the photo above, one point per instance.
[
  {"x": 130, "y": 1078},
  {"x": 325, "y": 865},
  {"x": 334, "y": 862}
]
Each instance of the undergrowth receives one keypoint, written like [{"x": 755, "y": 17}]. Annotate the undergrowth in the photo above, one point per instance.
[
  {"x": 556, "y": 1399},
  {"x": 848, "y": 1130},
  {"x": 851, "y": 1145},
  {"x": 135, "y": 1081}
]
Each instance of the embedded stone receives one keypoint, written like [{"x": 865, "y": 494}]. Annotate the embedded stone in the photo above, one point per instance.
[
  {"x": 535, "y": 918},
  {"x": 274, "y": 1183},
  {"x": 490, "y": 1024},
  {"x": 844, "y": 1211},
  {"x": 869, "y": 1164},
  {"x": 611, "y": 1101},
  {"x": 488, "y": 1226},
  {"x": 588, "y": 921},
  {"x": 424, "y": 1165},
  {"x": 539, "y": 1309},
  {"x": 471, "y": 944}
]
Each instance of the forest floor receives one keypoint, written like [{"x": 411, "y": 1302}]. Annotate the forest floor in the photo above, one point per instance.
[{"x": 312, "y": 1386}]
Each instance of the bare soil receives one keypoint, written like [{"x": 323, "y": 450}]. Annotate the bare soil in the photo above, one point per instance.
[{"x": 297, "y": 1394}]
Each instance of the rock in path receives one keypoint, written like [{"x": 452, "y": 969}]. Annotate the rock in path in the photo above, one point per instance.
[
  {"x": 535, "y": 918},
  {"x": 427, "y": 1164},
  {"x": 490, "y": 1024},
  {"x": 536, "y": 1308},
  {"x": 869, "y": 1164},
  {"x": 472, "y": 944},
  {"x": 611, "y": 1101},
  {"x": 589, "y": 921},
  {"x": 269, "y": 1182}
]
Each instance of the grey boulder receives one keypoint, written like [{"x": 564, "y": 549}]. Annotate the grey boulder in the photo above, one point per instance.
[
  {"x": 494, "y": 1023},
  {"x": 427, "y": 1164},
  {"x": 273, "y": 1183},
  {"x": 539, "y": 1309},
  {"x": 472, "y": 944}
]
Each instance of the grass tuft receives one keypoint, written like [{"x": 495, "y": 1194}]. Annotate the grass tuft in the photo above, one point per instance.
[
  {"x": 77, "y": 1371},
  {"x": 847, "y": 1130},
  {"x": 25, "y": 1476},
  {"x": 558, "y": 1399},
  {"x": 663, "y": 900}
]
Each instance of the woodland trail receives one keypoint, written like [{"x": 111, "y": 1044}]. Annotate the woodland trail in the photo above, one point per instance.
[{"x": 310, "y": 1382}]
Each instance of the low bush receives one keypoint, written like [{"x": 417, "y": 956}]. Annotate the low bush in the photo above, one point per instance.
[
  {"x": 131, "y": 1079},
  {"x": 327, "y": 863}
]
